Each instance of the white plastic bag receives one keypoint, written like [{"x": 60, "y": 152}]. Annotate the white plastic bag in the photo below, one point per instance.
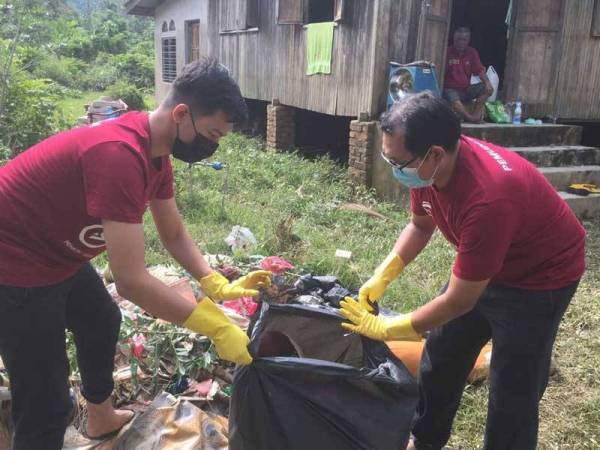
[
  {"x": 241, "y": 238},
  {"x": 495, "y": 80}
]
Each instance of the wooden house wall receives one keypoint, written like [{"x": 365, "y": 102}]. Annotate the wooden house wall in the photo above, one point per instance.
[{"x": 578, "y": 87}]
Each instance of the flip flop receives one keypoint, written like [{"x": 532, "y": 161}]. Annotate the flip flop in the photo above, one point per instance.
[
  {"x": 110, "y": 434},
  {"x": 583, "y": 189}
]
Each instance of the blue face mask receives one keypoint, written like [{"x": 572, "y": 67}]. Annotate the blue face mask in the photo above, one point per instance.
[{"x": 409, "y": 176}]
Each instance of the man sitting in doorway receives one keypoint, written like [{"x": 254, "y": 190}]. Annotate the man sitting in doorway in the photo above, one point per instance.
[{"x": 462, "y": 61}]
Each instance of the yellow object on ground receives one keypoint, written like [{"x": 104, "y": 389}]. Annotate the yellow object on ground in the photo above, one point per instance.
[
  {"x": 229, "y": 339},
  {"x": 410, "y": 354},
  {"x": 217, "y": 287},
  {"x": 374, "y": 288},
  {"x": 377, "y": 327},
  {"x": 583, "y": 189}
]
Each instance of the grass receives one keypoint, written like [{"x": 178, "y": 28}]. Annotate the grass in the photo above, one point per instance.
[{"x": 292, "y": 205}]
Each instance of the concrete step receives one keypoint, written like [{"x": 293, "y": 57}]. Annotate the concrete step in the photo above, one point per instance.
[
  {"x": 561, "y": 177},
  {"x": 560, "y": 155},
  {"x": 583, "y": 207},
  {"x": 509, "y": 135}
]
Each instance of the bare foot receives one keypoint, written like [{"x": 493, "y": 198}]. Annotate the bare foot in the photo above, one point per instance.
[{"x": 104, "y": 418}]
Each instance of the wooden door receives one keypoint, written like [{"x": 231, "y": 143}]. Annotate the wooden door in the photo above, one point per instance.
[
  {"x": 194, "y": 41},
  {"x": 434, "y": 26},
  {"x": 535, "y": 40}
]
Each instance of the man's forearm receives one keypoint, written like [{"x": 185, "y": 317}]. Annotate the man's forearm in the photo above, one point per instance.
[
  {"x": 437, "y": 312},
  {"x": 411, "y": 242},
  {"x": 157, "y": 298},
  {"x": 185, "y": 251}
]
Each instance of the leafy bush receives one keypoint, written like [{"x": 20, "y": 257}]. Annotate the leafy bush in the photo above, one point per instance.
[
  {"x": 30, "y": 112},
  {"x": 137, "y": 67},
  {"x": 129, "y": 94},
  {"x": 66, "y": 71},
  {"x": 102, "y": 73}
]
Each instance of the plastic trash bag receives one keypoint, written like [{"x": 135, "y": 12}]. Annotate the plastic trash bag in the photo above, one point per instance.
[
  {"x": 495, "y": 80},
  {"x": 496, "y": 112},
  {"x": 241, "y": 238},
  {"x": 313, "y": 386}
]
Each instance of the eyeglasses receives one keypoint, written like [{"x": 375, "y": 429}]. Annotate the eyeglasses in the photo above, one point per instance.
[{"x": 396, "y": 165}]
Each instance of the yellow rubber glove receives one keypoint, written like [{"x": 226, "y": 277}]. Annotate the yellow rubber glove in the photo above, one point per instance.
[
  {"x": 229, "y": 339},
  {"x": 376, "y": 327},
  {"x": 217, "y": 287},
  {"x": 374, "y": 288}
]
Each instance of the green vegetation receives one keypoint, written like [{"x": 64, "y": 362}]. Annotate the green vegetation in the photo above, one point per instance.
[{"x": 51, "y": 50}]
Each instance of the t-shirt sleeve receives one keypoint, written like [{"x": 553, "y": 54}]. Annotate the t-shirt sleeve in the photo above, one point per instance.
[
  {"x": 476, "y": 65},
  {"x": 114, "y": 183},
  {"x": 487, "y": 233},
  {"x": 416, "y": 203},
  {"x": 165, "y": 190}
]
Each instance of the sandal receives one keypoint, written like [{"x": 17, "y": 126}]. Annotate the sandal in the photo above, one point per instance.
[{"x": 110, "y": 434}]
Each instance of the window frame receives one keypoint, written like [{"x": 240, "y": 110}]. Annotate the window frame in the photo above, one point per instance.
[{"x": 168, "y": 74}]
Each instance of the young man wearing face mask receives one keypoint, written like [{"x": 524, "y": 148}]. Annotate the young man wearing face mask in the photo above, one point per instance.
[
  {"x": 83, "y": 191},
  {"x": 519, "y": 258}
]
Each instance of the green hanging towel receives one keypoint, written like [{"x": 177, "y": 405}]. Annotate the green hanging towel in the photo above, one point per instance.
[{"x": 319, "y": 42}]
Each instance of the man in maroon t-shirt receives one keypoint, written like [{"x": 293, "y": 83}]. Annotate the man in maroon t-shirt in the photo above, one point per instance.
[
  {"x": 462, "y": 62},
  {"x": 519, "y": 258},
  {"x": 83, "y": 191}
]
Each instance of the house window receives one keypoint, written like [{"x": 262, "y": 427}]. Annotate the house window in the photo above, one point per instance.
[
  {"x": 169, "y": 59},
  {"x": 290, "y": 12},
  {"x": 239, "y": 15},
  {"x": 310, "y": 11},
  {"x": 320, "y": 11},
  {"x": 172, "y": 25},
  {"x": 165, "y": 27},
  {"x": 193, "y": 41}
]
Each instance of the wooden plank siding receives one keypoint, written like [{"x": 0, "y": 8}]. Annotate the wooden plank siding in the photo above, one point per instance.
[
  {"x": 578, "y": 87},
  {"x": 271, "y": 62}
]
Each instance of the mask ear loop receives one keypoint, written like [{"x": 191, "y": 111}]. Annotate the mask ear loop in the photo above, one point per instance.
[{"x": 421, "y": 165}]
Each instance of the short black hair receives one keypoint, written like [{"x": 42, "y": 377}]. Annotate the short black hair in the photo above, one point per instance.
[
  {"x": 462, "y": 29},
  {"x": 207, "y": 87},
  {"x": 424, "y": 120}
]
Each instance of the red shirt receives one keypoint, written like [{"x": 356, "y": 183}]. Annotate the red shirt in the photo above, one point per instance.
[
  {"x": 54, "y": 195},
  {"x": 459, "y": 68},
  {"x": 506, "y": 221}
]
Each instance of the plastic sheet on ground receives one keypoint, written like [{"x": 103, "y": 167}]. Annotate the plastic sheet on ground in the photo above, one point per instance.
[{"x": 167, "y": 424}]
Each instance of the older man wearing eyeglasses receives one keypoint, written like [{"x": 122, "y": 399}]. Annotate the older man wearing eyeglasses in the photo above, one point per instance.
[{"x": 519, "y": 258}]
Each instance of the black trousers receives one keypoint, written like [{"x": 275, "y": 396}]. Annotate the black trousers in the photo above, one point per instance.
[
  {"x": 522, "y": 325},
  {"x": 32, "y": 347}
]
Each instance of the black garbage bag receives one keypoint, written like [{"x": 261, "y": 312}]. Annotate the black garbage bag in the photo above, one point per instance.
[{"x": 313, "y": 386}]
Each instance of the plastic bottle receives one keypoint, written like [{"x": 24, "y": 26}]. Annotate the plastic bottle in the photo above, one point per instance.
[{"x": 517, "y": 114}]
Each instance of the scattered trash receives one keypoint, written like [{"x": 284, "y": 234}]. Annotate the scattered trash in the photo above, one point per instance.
[
  {"x": 168, "y": 423},
  {"x": 276, "y": 264},
  {"x": 245, "y": 306},
  {"x": 138, "y": 342},
  {"x": 532, "y": 121},
  {"x": 310, "y": 382},
  {"x": 241, "y": 238},
  {"x": 343, "y": 254},
  {"x": 326, "y": 287}
]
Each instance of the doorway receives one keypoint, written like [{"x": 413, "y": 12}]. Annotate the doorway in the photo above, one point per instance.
[{"x": 489, "y": 32}]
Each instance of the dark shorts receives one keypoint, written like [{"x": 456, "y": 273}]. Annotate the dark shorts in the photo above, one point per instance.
[{"x": 467, "y": 95}]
